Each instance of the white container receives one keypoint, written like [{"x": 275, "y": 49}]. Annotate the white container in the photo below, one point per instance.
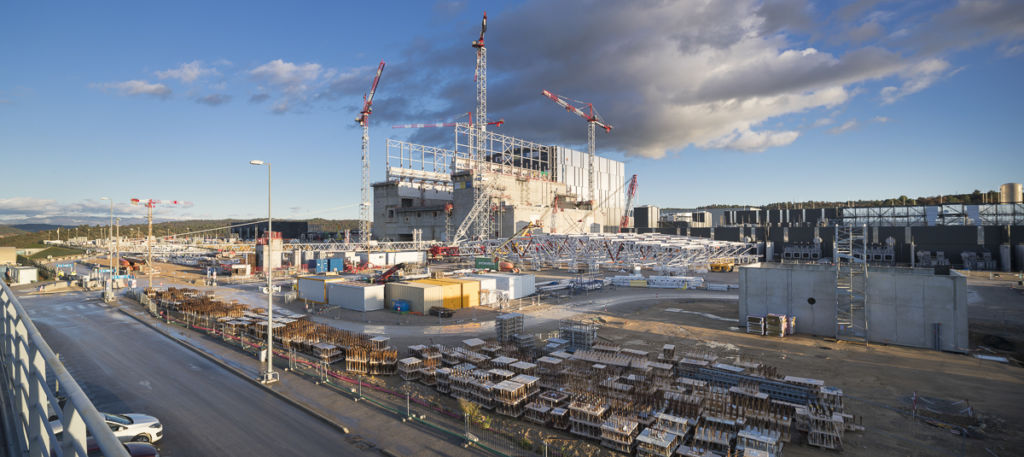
[
  {"x": 314, "y": 288},
  {"x": 357, "y": 296},
  {"x": 517, "y": 285}
]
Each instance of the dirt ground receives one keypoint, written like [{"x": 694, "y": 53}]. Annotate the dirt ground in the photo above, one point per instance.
[{"x": 878, "y": 380}]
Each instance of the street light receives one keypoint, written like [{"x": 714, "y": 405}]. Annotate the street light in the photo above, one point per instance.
[
  {"x": 110, "y": 241},
  {"x": 270, "y": 375}
]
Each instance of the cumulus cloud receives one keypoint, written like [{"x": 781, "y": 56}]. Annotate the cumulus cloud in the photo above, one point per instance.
[
  {"x": 667, "y": 75},
  {"x": 214, "y": 99},
  {"x": 137, "y": 87},
  {"x": 287, "y": 75},
  {"x": 187, "y": 72},
  {"x": 842, "y": 128},
  {"x": 15, "y": 210}
]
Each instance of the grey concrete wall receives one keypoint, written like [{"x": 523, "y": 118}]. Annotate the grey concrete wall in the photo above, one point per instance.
[
  {"x": 765, "y": 290},
  {"x": 902, "y": 307}
]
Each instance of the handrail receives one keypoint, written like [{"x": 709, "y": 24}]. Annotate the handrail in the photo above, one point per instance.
[{"x": 26, "y": 357}]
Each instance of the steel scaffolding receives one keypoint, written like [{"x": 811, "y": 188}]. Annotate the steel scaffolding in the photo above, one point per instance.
[{"x": 850, "y": 254}]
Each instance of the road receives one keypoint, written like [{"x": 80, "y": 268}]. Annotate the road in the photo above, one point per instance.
[{"x": 126, "y": 367}]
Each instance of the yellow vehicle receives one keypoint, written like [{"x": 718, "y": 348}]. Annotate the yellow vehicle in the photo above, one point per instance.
[{"x": 723, "y": 265}]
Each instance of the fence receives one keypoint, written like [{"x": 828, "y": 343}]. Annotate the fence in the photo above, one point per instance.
[{"x": 30, "y": 403}]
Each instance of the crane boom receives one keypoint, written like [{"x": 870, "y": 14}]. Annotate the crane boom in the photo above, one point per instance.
[
  {"x": 630, "y": 197},
  {"x": 592, "y": 117},
  {"x": 364, "y": 114}
]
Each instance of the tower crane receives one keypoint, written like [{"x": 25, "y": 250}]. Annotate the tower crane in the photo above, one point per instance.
[
  {"x": 149, "y": 203},
  {"x": 364, "y": 121},
  {"x": 593, "y": 120},
  {"x": 630, "y": 198},
  {"x": 481, "y": 195}
]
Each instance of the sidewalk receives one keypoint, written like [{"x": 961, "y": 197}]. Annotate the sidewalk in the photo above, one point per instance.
[{"x": 371, "y": 428}]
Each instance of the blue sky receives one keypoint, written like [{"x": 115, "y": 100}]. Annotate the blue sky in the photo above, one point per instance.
[{"x": 743, "y": 102}]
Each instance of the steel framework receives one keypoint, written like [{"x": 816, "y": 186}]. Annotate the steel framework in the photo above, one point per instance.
[
  {"x": 850, "y": 254},
  {"x": 613, "y": 251}
]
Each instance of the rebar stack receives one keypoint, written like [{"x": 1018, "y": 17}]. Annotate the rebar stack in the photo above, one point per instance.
[
  {"x": 579, "y": 334},
  {"x": 507, "y": 325}
]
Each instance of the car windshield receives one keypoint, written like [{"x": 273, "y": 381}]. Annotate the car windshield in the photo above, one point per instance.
[{"x": 117, "y": 418}]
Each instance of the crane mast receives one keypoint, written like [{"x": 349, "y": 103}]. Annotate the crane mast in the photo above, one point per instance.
[
  {"x": 484, "y": 220},
  {"x": 593, "y": 121},
  {"x": 364, "y": 121}
]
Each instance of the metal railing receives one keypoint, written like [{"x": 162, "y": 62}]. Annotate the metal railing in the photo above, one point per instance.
[{"x": 30, "y": 400}]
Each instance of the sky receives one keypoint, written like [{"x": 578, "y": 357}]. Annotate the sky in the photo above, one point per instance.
[{"x": 741, "y": 102}]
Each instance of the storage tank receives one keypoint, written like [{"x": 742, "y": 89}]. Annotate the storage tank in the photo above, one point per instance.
[{"x": 1011, "y": 193}]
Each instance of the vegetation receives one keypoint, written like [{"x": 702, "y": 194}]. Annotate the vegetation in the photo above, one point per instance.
[
  {"x": 974, "y": 198},
  {"x": 7, "y": 230},
  {"x": 213, "y": 228},
  {"x": 55, "y": 251}
]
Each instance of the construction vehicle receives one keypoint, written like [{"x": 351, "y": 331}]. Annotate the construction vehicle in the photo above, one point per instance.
[
  {"x": 389, "y": 274},
  {"x": 499, "y": 252},
  {"x": 723, "y": 265}
]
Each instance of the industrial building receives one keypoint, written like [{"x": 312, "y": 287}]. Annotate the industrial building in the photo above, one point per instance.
[{"x": 431, "y": 191}]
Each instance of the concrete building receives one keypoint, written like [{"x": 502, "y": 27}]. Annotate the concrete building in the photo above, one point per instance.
[
  {"x": 23, "y": 275},
  {"x": 527, "y": 182},
  {"x": 905, "y": 306}
]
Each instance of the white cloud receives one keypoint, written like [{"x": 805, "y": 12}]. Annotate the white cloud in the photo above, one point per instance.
[
  {"x": 137, "y": 87},
  {"x": 823, "y": 122},
  {"x": 751, "y": 141},
  {"x": 187, "y": 72},
  {"x": 842, "y": 128},
  {"x": 916, "y": 78},
  {"x": 289, "y": 76},
  {"x": 15, "y": 210},
  {"x": 881, "y": 119}
]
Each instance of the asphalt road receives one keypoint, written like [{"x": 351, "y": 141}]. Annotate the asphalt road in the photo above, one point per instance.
[{"x": 126, "y": 367}]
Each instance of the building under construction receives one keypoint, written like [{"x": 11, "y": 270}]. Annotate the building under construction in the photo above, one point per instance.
[{"x": 515, "y": 181}]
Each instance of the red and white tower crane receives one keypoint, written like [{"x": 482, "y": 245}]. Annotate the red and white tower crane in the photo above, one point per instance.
[
  {"x": 149, "y": 203},
  {"x": 630, "y": 198},
  {"x": 593, "y": 120},
  {"x": 364, "y": 121}
]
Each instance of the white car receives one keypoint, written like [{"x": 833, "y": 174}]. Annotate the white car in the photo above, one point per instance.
[
  {"x": 135, "y": 427},
  {"x": 126, "y": 427}
]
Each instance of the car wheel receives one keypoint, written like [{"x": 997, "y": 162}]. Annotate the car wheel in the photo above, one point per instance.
[{"x": 143, "y": 438}]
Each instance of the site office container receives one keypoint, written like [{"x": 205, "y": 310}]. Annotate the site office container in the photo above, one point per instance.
[
  {"x": 451, "y": 292},
  {"x": 420, "y": 297},
  {"x": 357, "y": 296},
  {"x": 314, "y": 288},
  {"x": 470, "y": 290},
  {"x": 517, "y": 285}
]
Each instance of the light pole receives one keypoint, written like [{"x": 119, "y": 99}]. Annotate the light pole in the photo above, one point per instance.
[
  {"x": 110, "y": 241},
  {"x": 270, "y": 375}
]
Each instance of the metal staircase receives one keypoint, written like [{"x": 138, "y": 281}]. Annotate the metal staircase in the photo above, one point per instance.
[{"x": 850, "y": 258}]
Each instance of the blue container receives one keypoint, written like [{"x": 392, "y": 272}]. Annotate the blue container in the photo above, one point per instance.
[
  {"x": 400, "y": 305},
  {"x": 336, "y": 264}
]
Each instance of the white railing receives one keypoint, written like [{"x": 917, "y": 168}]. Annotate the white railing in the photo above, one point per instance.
[{"x": 30, "y": 399}]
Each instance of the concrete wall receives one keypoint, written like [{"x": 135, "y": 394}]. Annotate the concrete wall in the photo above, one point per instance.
[
  {"x": 902, "y": 307},
  {"x": 8, "y": 255}
]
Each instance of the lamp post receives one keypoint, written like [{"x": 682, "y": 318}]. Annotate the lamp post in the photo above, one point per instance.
[
  {"x": 270, "y": 375},
  {"x": 110, "y": 240}
]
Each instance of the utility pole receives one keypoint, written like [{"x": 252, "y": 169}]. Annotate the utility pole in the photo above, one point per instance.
[
  {"x": 269, "y": 376},
  {"x": 117, "y": 249}
]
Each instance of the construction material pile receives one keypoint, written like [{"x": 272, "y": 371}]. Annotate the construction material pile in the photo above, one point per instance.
[
  {"x": 692, "y": 403},
  {"x": 358, "y": 352}
]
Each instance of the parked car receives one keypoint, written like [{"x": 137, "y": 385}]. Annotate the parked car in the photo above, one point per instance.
[
  {"x": 127, "y": 427},
  {"x": 134, "y": 449},
  {"x": 135, "y": 427}
]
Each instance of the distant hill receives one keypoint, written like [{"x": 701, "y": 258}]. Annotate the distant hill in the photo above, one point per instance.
[
  {"x": 974, "y": 198},
  {"x": 37, "y": 227},
  {"x": 7, "y": 230}
]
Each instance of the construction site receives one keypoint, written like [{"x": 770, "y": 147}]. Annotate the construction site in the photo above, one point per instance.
[{"x": 510, "y": 284}]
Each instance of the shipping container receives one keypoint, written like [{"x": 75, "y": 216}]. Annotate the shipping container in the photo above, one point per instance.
[
  {"x": 451, "y": 292},
  {"x": 470, "y": 290},
  {"x": 357, "y": 296},
  {"x": 420, "y": 297},
  {"x": 486, "y": 282},
  {"x": 314, "y": 288},
  {"x": 336, "y": 264}
]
